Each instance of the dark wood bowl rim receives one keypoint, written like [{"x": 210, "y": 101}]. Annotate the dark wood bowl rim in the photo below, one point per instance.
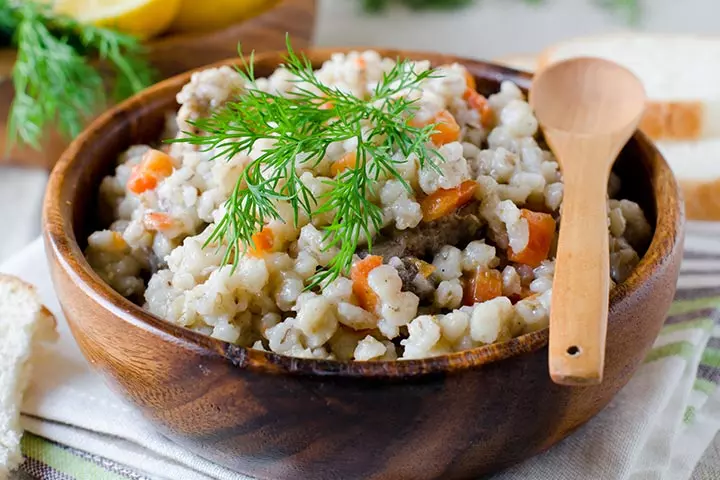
[{"x": 61, "y": 239}]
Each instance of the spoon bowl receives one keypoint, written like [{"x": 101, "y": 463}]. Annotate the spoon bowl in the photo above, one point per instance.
[
  {"x": 573, "y": 96},
  {"x": 588, "y": 109}
]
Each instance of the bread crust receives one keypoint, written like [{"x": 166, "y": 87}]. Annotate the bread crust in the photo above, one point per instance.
[
  {"x": 19, "y": 283},
  {"x": 679, "y": 121},
  {"x": 702, "y": 199},
  {"x": 41, "y": 326}
]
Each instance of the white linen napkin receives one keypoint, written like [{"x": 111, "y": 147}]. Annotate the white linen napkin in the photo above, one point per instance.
[{"x": 656, "y": 428}]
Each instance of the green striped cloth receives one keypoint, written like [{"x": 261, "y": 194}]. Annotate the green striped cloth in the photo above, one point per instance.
[
  {"x": 658, "y": 427},
  {"x": 48, "y": 460}
]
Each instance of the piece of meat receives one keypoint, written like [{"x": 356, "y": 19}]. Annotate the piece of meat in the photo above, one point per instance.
[
  {"x": 426, "y": 239},
  {"x": 405, "y": 250},
  {"x": 415, "y": 275}
]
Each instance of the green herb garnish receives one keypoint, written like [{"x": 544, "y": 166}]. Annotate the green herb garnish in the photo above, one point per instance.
[
  {"x": 53, "y": 78},
  {"x": 299, "y": 128}
]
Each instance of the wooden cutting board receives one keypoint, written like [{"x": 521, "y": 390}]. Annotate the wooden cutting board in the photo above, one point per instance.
[{"x": 172, "y": 55}]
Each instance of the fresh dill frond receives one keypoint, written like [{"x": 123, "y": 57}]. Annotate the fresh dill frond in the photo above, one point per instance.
[
  {"x": 53, "y": 77},
  {"x": 299, "y": 134}
]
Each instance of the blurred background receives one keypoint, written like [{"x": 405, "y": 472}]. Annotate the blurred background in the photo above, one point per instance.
[
  {"x": 491, "y": 28},
  {"x": 198, "y": 33}
]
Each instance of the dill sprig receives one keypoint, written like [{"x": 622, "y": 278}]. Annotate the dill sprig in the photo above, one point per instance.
[
  {"x": 53, "y": 78},
  {"x": 300, "y": 133}
]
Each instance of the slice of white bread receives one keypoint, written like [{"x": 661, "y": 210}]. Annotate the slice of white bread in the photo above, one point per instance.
[
  {"x": 24, "y": 322},
  {"x": 697, "y": 168},
  {"x": 684, "y": 96}
]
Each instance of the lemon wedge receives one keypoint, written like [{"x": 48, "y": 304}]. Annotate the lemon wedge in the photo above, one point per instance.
[
  {"x": 206, "y": 15},
  {"x": 142, "y": 18}
]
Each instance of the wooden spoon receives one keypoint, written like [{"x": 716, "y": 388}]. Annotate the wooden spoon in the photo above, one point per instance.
[{"x": 588, "y": 109}]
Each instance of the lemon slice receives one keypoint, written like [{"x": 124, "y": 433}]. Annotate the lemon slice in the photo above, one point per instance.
[
  {"x": 142, "y": 18},
  {"x": 206, "y": 15}
]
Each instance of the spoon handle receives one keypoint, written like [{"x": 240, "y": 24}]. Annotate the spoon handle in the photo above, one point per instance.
[{"x": 578, "y": 316}]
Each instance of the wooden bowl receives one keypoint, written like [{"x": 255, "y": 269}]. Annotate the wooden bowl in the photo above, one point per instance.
[
  {"x": 270, "y": 416},
  {"x": 170, "y": 55}
]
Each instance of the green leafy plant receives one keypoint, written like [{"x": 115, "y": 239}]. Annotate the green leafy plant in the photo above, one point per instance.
[
  {"x": 629, "y": 8},
  {"x": 58, "y": 73},
  {"x": 300, "y": 129}
]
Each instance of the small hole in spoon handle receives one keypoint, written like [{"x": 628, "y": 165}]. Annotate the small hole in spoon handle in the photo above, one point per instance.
[{"x": 574, "y": 351}]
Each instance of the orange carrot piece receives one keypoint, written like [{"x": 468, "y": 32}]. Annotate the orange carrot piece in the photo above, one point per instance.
[
  {"x": 361, "y": 288},
  {"x": 349, "y": 160},
  {"x": 328, "y": 105},
  {"x": 153, "y": 167},
  {"x": 140, "y": 181},
  {"x": 263, "y": 242},
  {"x": 484, "y": 285},
  {"x": 470, "y": 80},
  {"x": 445, "y": 201},
  {"x": 159, "y": 222},
  {"x": 157, "y": 162},
  {"x": 541, "y": 229},
  {"x": 480, "y": 104},
  {"x": 447, "y": 129}
]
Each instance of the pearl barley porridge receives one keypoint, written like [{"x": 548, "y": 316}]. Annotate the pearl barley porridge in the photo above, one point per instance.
[{"x": 458, "y": 198}]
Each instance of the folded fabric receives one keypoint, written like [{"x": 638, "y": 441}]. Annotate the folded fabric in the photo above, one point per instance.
[{"x": 657, "y": 427}]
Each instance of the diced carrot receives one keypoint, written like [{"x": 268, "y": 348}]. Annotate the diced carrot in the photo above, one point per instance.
[
  {"x": 480, "y": 104},
  {"x": 349, "y": 160},
  {"x": 159, "y": 222},
  {"x": 154, "y": 166},
  {"x": 447, "y": 129},
  {"x": 263, "y": 242},
  {"x": 360, "y": 62},
  {"x": 484, "y": 285},
  {"x": 157, "y": 162},
  {"x": 367, "y": 298},
  {"x": 139, "y": 181},
  {"x": 470, "y": 80},
  {"x": 445, "y": 201},
  {"x": 541, "y": 230}
]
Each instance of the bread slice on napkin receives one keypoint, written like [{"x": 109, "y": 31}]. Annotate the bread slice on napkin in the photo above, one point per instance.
[
  {"x": 24, "y": 322},
  {"x": 676, "y": 71},
  {"x": 684, "y": 102}
]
